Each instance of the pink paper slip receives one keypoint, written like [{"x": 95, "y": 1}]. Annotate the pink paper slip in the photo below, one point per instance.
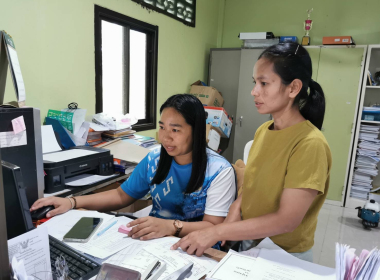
[
  {"x": 18, "y": 124},
  {"x": 124, "y": 229}
]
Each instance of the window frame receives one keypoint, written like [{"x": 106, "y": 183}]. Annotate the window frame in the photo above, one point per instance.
[
  {"x": 151, "y": 64},
  {"x": 154, "y": 8}
]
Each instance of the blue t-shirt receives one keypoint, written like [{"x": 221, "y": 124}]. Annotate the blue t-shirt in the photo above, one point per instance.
[{"x": 169, "y": 198}]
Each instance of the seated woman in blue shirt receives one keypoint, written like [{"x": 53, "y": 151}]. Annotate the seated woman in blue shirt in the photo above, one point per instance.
[{"x": 191, "y": 186}]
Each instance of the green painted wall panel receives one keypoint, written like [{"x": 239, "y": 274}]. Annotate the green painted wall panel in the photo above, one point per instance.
[
  {"x": 339, "y": 73},
  {"x": 314, "y": 55},
  {"x": 55, "y": 45},
  {"x": 359, "y": 19}
]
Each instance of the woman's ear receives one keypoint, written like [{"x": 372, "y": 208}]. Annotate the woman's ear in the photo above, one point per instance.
[{"x": 295, "y": 88}]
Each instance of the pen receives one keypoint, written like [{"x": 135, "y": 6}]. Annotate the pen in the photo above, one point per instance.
[{"x": 106, "y": 228}]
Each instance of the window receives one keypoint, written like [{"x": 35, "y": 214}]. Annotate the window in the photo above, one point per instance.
[
  {"x": 126, "y": 67},
  {"x": 181, "y": 10}
]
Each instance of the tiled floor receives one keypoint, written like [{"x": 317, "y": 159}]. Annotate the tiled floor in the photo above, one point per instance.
[{"x": 338, "y": 224}]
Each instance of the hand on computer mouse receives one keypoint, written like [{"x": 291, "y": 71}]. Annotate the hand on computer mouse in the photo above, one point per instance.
[
  {"x": 60, "y": 204},
  {"x": 41, "y": 212}
]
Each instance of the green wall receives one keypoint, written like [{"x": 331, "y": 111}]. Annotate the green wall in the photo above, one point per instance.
[
  {"x": 55, "y": 44},
  {"x": 360, "y": 19}
]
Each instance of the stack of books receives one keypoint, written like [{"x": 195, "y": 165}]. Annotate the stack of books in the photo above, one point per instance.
[
  {"x": 114, "y": 134},
  {"x": 366, "y": 161},
  {"x": 94, "y": 137},
  {"x": 123, "y": 166},
  {"x": 143, "y": 141}
]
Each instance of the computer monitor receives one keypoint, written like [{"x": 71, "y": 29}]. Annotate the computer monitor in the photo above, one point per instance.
[
  {"x": 4, "y": 259},
  {"x": 17, "y": 211}
]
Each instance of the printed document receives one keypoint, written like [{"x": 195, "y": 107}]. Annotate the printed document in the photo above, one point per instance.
[
  {"x": 10, "y": 139},
  {"x": 234, "y": 266},
  {"x": 100, "y": 247},
  {"x": 33, "y": 249},
  {"x": 272, "y": 264}
]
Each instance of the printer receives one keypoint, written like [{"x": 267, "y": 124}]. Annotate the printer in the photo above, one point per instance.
[{"x": 61, "y": 165}]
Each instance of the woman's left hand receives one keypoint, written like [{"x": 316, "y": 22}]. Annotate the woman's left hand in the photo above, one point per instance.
[
  {"x": 197, "y": 241},
  {"x": 149, "y": 228}
]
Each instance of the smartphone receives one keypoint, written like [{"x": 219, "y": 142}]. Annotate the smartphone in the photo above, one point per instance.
[{"x": 82, "y": 230}]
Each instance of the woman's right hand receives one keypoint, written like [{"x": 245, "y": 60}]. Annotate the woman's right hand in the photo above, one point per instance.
[{"x": 60, "y": 204}]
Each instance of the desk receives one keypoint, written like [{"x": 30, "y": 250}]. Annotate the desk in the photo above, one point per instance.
[{"x": 214, "y": 254}]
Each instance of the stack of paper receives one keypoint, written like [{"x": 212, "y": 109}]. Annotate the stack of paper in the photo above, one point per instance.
[
  {"x": 349, "y": 266},
  {"x": 117, "y": 248},
  {"x": 372, "y": 109},
  {"x": 271, "y": 262},
  {"x": 366, "y": 161}
]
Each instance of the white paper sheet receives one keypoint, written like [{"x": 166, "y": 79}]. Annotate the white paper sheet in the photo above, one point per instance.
[
  {"x": 33, "y": 248},
  {"x": 86, "y": 179},
  {"x": 17, "y": 71},
  {"x": 132, "y": 258},
  {"x": 266, "y": 243},
  {"x": 10, "y": 139},
  {"x": 108, "y": 243},
  {"x": 56, "y": 193},
  {"x": 214, "y": 139},
  {"x": 139, "y": 255},
  {"x": 233, "y": 266},
  {"x": 98, "y": 127},
  {"x": 143, "y": 212},
  {"x": 49, "y": 141},
  {"x": 278, "y": 264},
  {"x": 176, "y": 259},
  {"x": 66, "y": 155},
  {"x": 59, "y": 225}
]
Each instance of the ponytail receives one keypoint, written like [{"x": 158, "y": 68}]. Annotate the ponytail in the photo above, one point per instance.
[
  {"x": 313, "y": 107},
  {"x": 292, "y": 61}
]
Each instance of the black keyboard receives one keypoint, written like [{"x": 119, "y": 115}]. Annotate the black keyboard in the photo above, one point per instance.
[{"x": 81, "y": 267}]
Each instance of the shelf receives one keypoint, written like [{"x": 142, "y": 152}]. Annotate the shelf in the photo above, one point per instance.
[
  {"x": 375, "y": 122},
  {"x": 372, "y": 86}
]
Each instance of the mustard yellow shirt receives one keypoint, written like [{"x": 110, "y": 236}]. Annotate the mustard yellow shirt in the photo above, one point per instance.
[{"x": 294, "y": 157}]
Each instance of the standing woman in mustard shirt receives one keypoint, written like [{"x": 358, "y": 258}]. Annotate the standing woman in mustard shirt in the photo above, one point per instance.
[{"x": 288, "y": 170}]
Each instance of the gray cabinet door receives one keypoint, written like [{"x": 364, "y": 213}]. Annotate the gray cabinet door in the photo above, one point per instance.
[
  {"x": 224, "y": 76},
  {"x": 247, "y": 119}
]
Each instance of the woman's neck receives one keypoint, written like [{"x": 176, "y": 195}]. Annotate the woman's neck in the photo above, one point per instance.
[
  {"x": 184, "y": 159},
  {"x": 287, "y": 119}
]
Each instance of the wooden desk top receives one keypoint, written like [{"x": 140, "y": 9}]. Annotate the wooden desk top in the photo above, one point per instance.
[{"x": 214, "y": 254}]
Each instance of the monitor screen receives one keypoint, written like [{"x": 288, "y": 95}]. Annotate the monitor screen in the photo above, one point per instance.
[{"x": 17, "y": 212}]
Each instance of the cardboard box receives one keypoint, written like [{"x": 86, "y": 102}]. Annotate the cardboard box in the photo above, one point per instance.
[
  {"x": 338, "y": 40},
  {"x": 218, "y": 118},
  {"x": 212, "y": 137},
  {"x": 207, "y": 95}
]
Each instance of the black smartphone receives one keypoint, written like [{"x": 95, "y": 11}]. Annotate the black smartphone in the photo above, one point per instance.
[{"x": 82, "y": 230}]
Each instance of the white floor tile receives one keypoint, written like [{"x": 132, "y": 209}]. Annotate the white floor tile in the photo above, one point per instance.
[{"x": 338, "y": 224}]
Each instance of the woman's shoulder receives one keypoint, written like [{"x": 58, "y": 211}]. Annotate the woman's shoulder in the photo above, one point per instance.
[
  {"x": 154, "y": 154},
  {"x": 312, "y": 136},
  {"x": 216, "y": 160}
]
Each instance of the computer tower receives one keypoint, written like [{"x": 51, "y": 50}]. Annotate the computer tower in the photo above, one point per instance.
[
  {"x": 18, "y": 217},
  {"x": 28, "y": 157}
]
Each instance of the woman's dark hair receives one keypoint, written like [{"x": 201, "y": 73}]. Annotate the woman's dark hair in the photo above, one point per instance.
[
  {"x": 194, "y": 114},
  {"x": 292, "y": 61}
]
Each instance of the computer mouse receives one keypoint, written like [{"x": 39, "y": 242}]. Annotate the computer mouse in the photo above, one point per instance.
[{"x": 41, "y": 212}]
